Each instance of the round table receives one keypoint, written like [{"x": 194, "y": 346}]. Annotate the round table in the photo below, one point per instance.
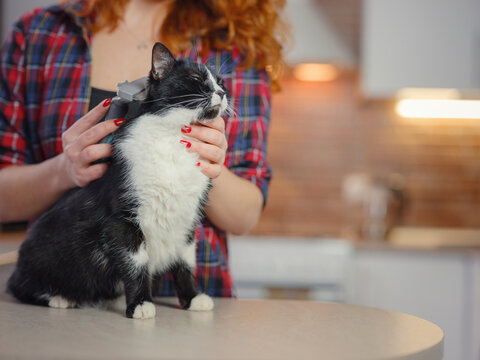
[{"x": 235, "y": 329}]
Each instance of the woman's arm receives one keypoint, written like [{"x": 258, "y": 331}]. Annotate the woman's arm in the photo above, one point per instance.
[
  {"x": 28, "y": 190},
  {"x": 234, "y": 204}
]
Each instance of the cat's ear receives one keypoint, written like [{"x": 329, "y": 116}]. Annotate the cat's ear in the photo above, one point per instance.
[{"x": 162, "y": 61}]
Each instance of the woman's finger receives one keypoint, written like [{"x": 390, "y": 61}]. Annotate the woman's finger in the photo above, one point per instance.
[
  {"x": 211, "y": 170},
  {"x": 208, "y": 135},
  {"x": 207, "y": 151},
  {"x": 95, "y": 172},
  {"x": 96, "y": 133},
  {"x": 95, "y": 152},
  {"x": 217, "y": 123},
  {"x": 86, "y": 122}
]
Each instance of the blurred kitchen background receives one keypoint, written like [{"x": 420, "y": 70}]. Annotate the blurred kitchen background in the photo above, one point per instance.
[{"x": 375, "y": 146}]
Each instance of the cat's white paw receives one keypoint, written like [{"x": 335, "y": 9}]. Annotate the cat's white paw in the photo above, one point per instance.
[
  {"x": 201, "y": 302},
  {"x": 60, "y": 302},
  {"x": 144, "y": 311}
]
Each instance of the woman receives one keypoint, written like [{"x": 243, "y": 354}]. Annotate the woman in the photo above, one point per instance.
[{"x": 59, "y": 62}]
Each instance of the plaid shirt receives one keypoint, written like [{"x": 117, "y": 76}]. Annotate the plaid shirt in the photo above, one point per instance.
[{"x": 45, "y": 87}]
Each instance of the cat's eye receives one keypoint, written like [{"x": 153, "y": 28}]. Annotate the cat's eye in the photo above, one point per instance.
[{"x": 196, "y": 77}]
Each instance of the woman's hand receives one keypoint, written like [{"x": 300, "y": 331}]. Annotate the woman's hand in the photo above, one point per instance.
[
  {"x": 211, "y": 147},
  {"x": 80, "y": 147}
]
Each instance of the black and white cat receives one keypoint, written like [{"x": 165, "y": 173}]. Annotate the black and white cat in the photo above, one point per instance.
[{"x": 113, "y": 236}]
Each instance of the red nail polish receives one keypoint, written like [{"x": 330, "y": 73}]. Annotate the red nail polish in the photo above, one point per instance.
[
  {"x": 186, "y": 129},
  {"x": 107, "y": 102},
  {"x": 198, "y": 163},
  {"x": 118, "y": 122},
  {"x": 186, "y": 143}
]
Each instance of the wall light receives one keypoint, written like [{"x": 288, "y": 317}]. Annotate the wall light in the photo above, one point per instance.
[
  {"x": 436, "y": 103},
  {"x": 315, "y": 72},
  {"x": 428, "y": 93},
  {"x": 438, "y": 109}
]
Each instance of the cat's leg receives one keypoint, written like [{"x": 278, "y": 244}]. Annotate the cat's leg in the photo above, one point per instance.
[
  {"x": 184, "y": 282},
  {"x": 131, "y": 263},
  {"x": 138, "y": 294}
]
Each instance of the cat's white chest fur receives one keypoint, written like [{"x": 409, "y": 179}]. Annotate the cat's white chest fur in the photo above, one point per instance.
[{"x": 168, "y": 185}]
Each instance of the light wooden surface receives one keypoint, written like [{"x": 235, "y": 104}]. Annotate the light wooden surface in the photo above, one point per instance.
[
  {"x": 9, "y": 243},
  {"x": 236, "y": 329}
]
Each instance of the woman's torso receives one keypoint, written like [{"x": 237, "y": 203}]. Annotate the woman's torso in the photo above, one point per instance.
[{"x": 57, "y": 55}]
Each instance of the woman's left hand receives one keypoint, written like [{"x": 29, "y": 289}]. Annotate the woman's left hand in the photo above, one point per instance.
[{"x": 211, "y": 147}]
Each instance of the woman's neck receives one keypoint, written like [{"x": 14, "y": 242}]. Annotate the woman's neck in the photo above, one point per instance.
[
  {"x": 145, "y": 16},
  {"x": 125, "y": 53}
]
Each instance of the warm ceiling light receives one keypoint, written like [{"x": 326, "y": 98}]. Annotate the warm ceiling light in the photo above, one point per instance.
[
  {"x": 438, "y": 109},
  {"x": 315, "y": 72}
]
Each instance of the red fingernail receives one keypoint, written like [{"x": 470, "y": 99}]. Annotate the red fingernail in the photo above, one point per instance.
[
  {"x": 107, "y": 102},
  {"x": 186, "y": 143},
  {"x": 198, "y": 163},
  {"x": 118, "y": 122},
  {"x": 186, "y": 129}
]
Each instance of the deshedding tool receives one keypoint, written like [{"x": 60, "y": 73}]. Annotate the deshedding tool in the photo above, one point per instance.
[{"x": 127, "y": 92}]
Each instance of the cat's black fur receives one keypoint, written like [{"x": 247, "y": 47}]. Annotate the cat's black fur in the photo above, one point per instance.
[{"x": 57, "y": 256}]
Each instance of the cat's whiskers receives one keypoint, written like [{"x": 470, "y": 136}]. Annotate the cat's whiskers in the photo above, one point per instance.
[
  {"x": 188, "y": 101},
  {"x": 213, "y": 66},
  {"x": 181, "y": 104},
  {"x": 198, "y": 99},
  {"x": 221, "y": 66},
  {"x": 173, "y": 97},
  {"x": 230, "y": 110}
]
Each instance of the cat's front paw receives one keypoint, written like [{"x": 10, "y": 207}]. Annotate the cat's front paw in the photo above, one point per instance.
[
  {"x": 146, "y": 310},
  {"x": 201, "y": 302},
  {"x": 60, "y": 302}
]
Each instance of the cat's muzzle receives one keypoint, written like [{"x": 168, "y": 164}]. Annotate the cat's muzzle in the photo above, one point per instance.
[{"x": 210, "y": 113}]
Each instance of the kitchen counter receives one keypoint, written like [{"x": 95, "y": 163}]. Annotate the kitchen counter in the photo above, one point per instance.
[
  {"x": 416, "y": 239},
  {"x": 235, "y": 329},
  {"x": 9, "y": 243},
  {"x": 425, "y": 239}
]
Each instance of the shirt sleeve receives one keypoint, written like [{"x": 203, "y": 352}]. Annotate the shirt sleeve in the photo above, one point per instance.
[
  {"x": 247, "y": 128},
  {"x": 12, "y": 109}
]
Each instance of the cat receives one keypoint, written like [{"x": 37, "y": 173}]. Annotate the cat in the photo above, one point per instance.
[{"x": 137, "y": 221}]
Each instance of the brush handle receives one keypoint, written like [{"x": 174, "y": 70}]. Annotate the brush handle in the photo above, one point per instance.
[{"x": 118, "y": 110}]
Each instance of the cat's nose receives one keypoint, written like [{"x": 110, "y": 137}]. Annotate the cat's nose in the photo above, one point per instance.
[{"x": 220, "y": 93}]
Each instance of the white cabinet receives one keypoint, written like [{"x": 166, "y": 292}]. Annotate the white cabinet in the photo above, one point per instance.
[
  {"x": 442, "y": 287},
  {"x": 419, "y": 43},
  {"x": 321, "y": 266}
]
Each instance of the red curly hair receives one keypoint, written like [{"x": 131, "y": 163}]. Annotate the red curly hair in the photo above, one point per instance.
[{"x": 252, "y": 26}]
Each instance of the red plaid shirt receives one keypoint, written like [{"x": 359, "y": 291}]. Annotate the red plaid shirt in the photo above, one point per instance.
[{"x": 45, "y": 68}]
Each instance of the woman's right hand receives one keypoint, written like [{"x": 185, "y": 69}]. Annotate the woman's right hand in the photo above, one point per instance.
[{"x": 80, "y": 147}]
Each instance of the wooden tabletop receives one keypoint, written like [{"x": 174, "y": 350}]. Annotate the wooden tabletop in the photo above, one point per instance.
[
  {"x": 9, "y": 243},
  {"x": 235, "y": 329}
]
